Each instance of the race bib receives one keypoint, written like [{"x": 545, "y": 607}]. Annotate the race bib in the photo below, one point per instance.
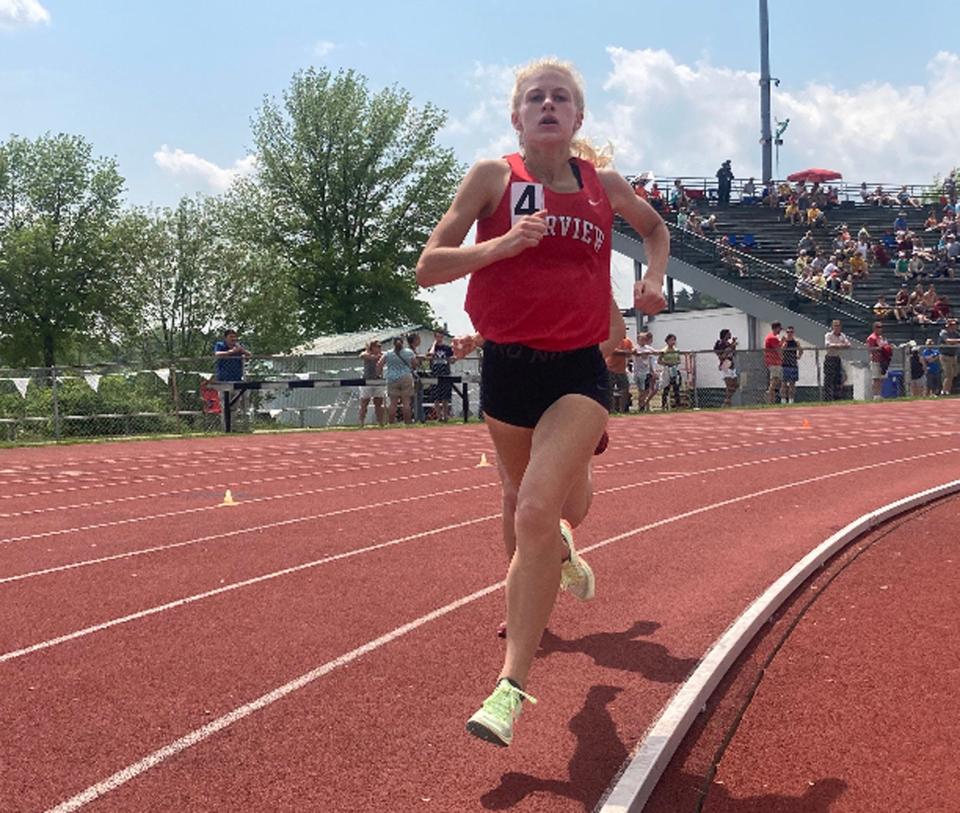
[{"x": 525, "y": 199}]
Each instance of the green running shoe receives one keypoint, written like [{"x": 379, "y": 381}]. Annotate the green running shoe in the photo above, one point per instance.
[
  {"x": 494, "y": 721},
  {"x": 576, "y": 576}
]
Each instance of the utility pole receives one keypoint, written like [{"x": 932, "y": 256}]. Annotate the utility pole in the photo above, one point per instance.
[{"x": 766, "y": 136}]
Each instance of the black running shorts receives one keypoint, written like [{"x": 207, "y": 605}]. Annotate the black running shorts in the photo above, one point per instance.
[{"x": 518, "y": 384}]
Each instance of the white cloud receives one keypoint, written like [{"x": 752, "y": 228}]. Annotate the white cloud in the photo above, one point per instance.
[
  {"x": 194, "y": 168},
  {"x": 17, "y": 13},
  {"x": 323, "y": 47},
  {"x": 685, "y": 119}
]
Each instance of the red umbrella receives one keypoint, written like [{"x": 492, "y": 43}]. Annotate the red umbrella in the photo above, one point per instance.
[{"x": 815, "y": 174}]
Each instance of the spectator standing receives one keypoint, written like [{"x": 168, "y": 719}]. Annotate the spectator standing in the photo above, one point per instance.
[
  {"x": 949, "y": 339},
  {"x": 917, "y": 372},
  {"x": 835, "y": 341},
  {"x": 617, "y": 373},
  {"x": 397, "y": 368},
  {"x": 671, "y": 377},
  {"x": 724, "y": 183},
  {"x": 371, "y": 356},
  {"x": 880, "y": 355},
  {"x": 726, "y": 350},
  {"x": 645, "y": 370},
  {"x": 934, "y": 368},
  {"x": 773, "y": 361},
  {"x": 748, "y": 195},
  {"x": 440, "y": 356},
  {"x": 791, "y": 353},
  {"x": 229, "y": 356}
]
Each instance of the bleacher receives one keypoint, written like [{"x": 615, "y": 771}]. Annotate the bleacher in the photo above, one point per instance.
[{"x": 772, "y": 246}]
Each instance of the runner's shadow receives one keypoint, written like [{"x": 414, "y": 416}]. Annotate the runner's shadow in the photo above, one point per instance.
[
  {"x": 597, "y": 756},
  {"x": 816, "y": 799},
  {"x": 620, "y": 650}
]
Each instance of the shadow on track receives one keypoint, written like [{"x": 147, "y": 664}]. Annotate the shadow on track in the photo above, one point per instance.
[
  {"x": 598, "y": 748},
  {"x": 620, "y": 650},
  {"x": 816, "y": 799}
]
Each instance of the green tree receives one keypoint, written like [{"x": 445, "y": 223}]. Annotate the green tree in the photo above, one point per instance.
[
  {"x": 349, "y": 184},
  {"x": 58, "y": 207},
  {"x": 173, "y": 264}
]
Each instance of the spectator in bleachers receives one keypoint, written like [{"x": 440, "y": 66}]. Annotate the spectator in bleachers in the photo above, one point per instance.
[
  {"x": 834, "y": 341},
  {"x": 815, "y": 216},
  {"x": 709, "y": 226},
  {"x": 949, "y": 340},
  {"x": 941, "y": 308},
  {"x": 929, "y": 298},
  {"x": 865, "y": 195},
  {"x": 932, "y": 223},
  {"x": 952, "y": 249},
  {"x": 950, "y": 187},
  {"x": 748, "y": 195},
  {"x": 881, "y": 198},
  {"x": 900, "y": 222},
  {"x": 880, "y": 256},
  {"x": 833, "y": 198},
  {"x": 801, "y": 265},
  {"x": 370, "y": 357},
  {"x": 678, "y": 197},
  {"x": 771, "y": 197},
  {"x": 902, "y": 310},
  {"x": 729, "y": 258},
  {"x": 792, "y": 213},
  {"x": 807, "y": 244},
  {"x": 726, "y": 350},
  {"x": 933, "y": 367},
  {"x": 916, "y": 269},
  {"x": 640, "y": 187},
  {"x": 901, "y": 266},
  {"x": 693, "y": 224},
  {"x": 904, "y": 199},
  {"x": 724, "y": 183},
  {"x": 656, "y": 198},
  {"x": 683, "y": 218},
  {"x": 882, "y": 310}
]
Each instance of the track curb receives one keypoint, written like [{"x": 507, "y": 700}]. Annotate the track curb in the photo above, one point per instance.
[{"x": 632, "y": 789}]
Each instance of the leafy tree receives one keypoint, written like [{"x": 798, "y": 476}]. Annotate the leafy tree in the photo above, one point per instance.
[
  {"x": 58, "y": 207},
  {"x": 348, "y": 185}
]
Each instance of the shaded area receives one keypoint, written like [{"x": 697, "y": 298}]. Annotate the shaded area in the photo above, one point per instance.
[
  {"x": 818, "y": 798},
  {"x": 621, "y": 650},
  {"x": 598, "y": 753}
]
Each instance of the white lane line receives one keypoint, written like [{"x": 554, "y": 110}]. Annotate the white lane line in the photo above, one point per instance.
[
  {"x": 124, "y": 775},
  {"x": 664, "y": 477},
  {"x": 633, "y": 788},
  {"x": 228, "y": 534},
  {"x": 72, "y": 636},
  {"x": 347, "y": 554}
]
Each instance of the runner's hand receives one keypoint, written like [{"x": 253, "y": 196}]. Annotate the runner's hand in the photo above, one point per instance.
[
  {"x": 648, "y": 299},
  {"x": 526, "y": 233}
]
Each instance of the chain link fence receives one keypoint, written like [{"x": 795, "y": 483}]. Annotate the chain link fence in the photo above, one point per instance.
[
  {"x": 62, "y": 403},
  {"x": 821, "y": 375}
]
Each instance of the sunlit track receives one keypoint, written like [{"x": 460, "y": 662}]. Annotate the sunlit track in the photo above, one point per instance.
[
  {"x": 633, "y": 532},
  {"x": 379, "y": 504},
  {"x": 155, "y": 684},
  {"x": 193, "y": 738}
]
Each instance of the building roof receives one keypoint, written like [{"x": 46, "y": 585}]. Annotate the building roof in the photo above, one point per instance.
[{"x": 343, "y": 343}]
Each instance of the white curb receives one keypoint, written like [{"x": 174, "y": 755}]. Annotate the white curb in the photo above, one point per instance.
[{"x": 634, "y": 786}]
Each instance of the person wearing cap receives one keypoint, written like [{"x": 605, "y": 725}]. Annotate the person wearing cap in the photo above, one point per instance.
[{"x": 724, "y": 183}]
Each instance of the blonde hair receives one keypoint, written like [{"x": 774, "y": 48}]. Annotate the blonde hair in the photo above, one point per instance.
[{"x": 579, "y": 147}]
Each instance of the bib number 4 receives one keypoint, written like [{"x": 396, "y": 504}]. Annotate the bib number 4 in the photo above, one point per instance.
[{"x": 525, "y": 199}]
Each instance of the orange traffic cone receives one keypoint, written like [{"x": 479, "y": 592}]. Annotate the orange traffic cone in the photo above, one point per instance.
[
  {"x": 483, "y": 464},
  {"x": 805, "y": 424},
  {"x": 227, "y": 499}
]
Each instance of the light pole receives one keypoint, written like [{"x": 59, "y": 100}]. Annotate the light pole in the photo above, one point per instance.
[{"x": 766, "y": 136}]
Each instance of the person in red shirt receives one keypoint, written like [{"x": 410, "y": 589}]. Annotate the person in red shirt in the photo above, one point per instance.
[
  {"x": 880, "y": 354},
  {"x": 773, "y": 360},
  {"x": 540, "y": 295}
]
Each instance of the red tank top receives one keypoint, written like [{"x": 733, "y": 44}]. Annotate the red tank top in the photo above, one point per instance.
[{"x": 555, "y": 296}]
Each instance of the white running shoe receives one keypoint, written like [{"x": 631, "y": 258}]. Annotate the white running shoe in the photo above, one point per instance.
[{"x": 576, "y": 576}]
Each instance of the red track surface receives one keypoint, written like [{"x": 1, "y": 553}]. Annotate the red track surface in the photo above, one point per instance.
[{"x": 136, "y": 612}]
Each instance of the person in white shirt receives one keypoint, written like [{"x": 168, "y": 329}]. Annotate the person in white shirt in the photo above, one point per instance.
[
  {"x": 835, "y": 341},
  {"x": 645, "y": 369}
]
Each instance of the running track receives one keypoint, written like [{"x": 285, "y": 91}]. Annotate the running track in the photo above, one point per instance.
[{"x": 320, "y": 645}]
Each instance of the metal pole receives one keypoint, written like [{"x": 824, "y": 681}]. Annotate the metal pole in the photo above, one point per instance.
[
  {"x": 766, "y": 136},
  {"x": 54, "y": 387}
]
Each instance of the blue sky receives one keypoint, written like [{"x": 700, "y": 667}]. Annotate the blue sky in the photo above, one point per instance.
[{"x": 169, "y": 88}]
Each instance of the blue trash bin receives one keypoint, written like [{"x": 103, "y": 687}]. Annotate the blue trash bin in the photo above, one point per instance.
[{"x": 892, "y": 386}]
